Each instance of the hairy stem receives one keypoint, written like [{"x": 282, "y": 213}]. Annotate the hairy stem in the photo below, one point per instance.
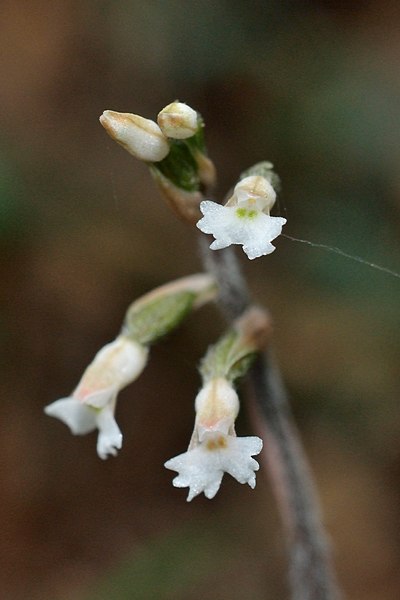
[
  {"x": 310, "y": 571},
  {"x": 233, "y": 294}
]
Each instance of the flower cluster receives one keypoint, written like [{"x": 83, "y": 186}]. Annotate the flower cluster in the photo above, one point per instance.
[
  {"x": 144, "y": 138},
  {"x": 174, "y": 149}
]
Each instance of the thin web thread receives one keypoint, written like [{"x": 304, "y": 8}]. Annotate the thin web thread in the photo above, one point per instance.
[{"x": 335, "y": 250}]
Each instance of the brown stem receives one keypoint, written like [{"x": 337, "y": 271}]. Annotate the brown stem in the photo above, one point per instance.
[{"x": 310, "y": 570}]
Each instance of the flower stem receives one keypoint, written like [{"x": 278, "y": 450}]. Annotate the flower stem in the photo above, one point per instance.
[
  {"x": 310, "y": 567},
  {"x": 311, "y": 573}
]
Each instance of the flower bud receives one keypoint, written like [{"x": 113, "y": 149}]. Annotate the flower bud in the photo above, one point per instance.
[
  {"x": 141, "y": 137},
  {"x": 178, "y": 120},
  {"x": 254, "y": 191}
]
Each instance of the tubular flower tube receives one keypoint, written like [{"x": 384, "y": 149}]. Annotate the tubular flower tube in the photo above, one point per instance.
[
  {"x": 245, "y": 218},
  {"x": 92, "y": 404},
  {"x": 214, "y": 448}
]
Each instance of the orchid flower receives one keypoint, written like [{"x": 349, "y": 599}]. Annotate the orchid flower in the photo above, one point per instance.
[
  {"x": 244, "y": 219},
  {"x": 92, "y": 405},
  {"x": 214, "y": 448}
]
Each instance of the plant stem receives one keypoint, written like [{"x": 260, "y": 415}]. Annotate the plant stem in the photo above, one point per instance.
[
  {"x": 311, "y": 575},
  {"x": 310, "y": 567}
]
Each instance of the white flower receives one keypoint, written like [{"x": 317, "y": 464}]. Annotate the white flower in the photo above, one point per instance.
[
  {"x": 92, "y": 405},
  {"x": 178, "y": 120},
  {"x": 214, "y": 448},
  {"x": 83, "y": 418},
  {"x": 139, "y": 136},
  {"x": 245, "y": 218},
  {"x": 202, "y": 469}
]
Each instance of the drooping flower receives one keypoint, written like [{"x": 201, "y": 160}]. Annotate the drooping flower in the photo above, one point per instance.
[
  {"x": 92, "y": 404},
  {"x": 245, "y": 218},
  {"x": 214, "y": 448}
]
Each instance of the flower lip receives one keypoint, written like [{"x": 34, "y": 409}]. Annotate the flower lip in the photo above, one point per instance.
[
  {"x": 250, "y": 228},
  {"x": 244, "y": 219},
  {"x": 109, "y": 440},
  {"x": 79, "y": 418},
  {"x": 82, "y": 419},
  {"x": 202, "y": 468}
]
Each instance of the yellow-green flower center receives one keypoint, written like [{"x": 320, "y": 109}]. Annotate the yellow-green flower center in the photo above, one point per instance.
[{"x": 244, "y": 213}]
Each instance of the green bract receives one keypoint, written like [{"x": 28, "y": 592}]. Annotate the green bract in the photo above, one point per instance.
[
  {"x": 264, "y": 169},
  {"x": 229, "y": 358},
  {"x": 180, "y": 167},
  {"x": 147, "y": 322}
]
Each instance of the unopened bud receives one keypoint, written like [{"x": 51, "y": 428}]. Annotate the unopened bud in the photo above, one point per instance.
[
  {"x": 178, "y": 121},
  {"x": 141, "y": 137}
]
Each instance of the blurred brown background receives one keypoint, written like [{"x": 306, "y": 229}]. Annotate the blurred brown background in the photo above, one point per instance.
[{"x": 314, "y": 87}]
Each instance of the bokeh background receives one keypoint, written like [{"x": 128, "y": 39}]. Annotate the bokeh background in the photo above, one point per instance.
[{"x": 314, "y": 87}]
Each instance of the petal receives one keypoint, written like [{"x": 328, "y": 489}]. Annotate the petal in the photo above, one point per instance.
[
  {"x": 115, "y": 366},
  {"x": 217, "y": 406},
  {"x": 195, "y": 473},
  {"x": 238, "y": 462},
  {"x": 220, "y": 221},
  {"x": 257, "y": 238},
  {"x": 213, "y": 486},
  {"x": 220, "y": 243},
  {"x": 255, "y": 191},
  {"x": 254, "y": 232},
  {"x": 109, "y": 440},
  {"x": 201, "y": 469},
  {"x": 100, "y": 398},
  {"x": 210, "y": 210},
  {"x": 78, "y": 417}
]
